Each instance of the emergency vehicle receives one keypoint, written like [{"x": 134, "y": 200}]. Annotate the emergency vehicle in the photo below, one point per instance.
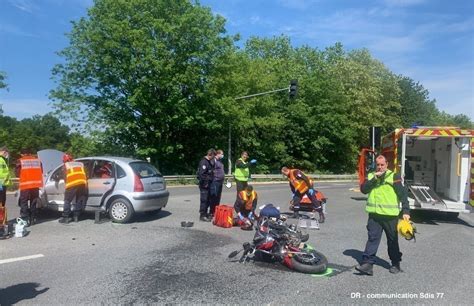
[{"x": 436, "y": 164}]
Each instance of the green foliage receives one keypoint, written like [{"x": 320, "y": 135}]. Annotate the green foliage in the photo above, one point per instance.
[
  {"x": 159, "y": 79},
  {"x": 141, "y": 69}
]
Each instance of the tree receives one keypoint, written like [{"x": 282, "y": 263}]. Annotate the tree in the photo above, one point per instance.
[
  {"x": 3, "y": 76},
  {"x": 140, "y": 69}
]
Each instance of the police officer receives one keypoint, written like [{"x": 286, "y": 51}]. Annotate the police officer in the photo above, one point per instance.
[
  {"x": 386, "y": 191},
  {"x": 300, "y": 185},
  {"x": 205, "y": 176},
  {"x": 76, "y": 187},
  {"x": 30, "y": 172}
]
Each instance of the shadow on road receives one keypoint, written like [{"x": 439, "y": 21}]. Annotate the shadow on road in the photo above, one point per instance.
[
  {"x": 357, "y": 255},
  {"x": 150, "y": 216},
  {"x": 16, "y": 293},
  {"x": 436, "y": 217},
  {"x": 359, "y": 198}
]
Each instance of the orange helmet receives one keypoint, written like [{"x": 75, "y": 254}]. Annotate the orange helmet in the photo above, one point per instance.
[{"x": 67, "y": 158}]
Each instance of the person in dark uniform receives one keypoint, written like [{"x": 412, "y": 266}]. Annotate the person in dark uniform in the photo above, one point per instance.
[
  {"x": 217, "y": 182},
  {"x": 205, "y": 176}
]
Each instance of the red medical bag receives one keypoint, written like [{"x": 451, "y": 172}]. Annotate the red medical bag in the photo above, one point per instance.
[{"x": 223, "y": 216}]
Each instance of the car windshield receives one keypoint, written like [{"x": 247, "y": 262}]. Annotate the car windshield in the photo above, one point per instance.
[{"x": 144, "y": 170}]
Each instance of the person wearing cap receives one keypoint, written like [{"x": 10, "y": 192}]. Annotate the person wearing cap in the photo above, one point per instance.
[
  {"x": 76, "y": 187},
  {"x": 30, "y": 171},
  {"x": 5, "y": 180}
]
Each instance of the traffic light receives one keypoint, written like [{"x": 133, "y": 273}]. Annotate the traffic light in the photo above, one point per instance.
[{"x": 293, "y": 89}]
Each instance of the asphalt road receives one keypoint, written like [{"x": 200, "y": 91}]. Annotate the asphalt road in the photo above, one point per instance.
[{"x": 154, "y": 260}]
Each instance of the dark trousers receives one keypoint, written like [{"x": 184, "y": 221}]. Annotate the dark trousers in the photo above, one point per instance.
[
  {"x": 28, "y": 196},
  {"x": 297, "y": 200},
  {"x": 80, "y": 193},
  {"x": 375, "y": 225},
  {"x": 216, "y": 193},
  {"x": 205, "y": 200},
  {"x": 3, "y": 196}
]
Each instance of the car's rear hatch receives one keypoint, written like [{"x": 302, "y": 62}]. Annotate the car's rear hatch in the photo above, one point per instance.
[{"x": 150, "y": 178}]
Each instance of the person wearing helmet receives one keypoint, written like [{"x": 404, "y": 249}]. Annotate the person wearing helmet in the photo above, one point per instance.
[
  {"x": 245, "y": 206},
  {"x": 386, "y": 191},
  {"x": 76, "y": 187},
  {"x": 30, "y": 171},
  {"x": 301, "y": 185}
]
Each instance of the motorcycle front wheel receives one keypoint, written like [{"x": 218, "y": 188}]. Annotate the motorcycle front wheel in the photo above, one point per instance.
[{"x": 309, "y": 261}]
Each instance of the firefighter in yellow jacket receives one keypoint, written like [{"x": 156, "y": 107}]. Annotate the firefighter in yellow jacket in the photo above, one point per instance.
[
  {"x": 245, "y": 206},
  {"x": 386, "y": 192},
  {"x": 76, "y": 187}
]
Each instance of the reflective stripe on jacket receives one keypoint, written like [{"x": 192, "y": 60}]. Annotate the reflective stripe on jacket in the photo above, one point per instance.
[
  {"x": 299, "y": 184},
  {"x": 4, "y": 173},
  {"x": 382, "y": 199},
  {"x": 31, "y": 174},
  {"x": 75, "y": 174},
  {"x": 248, "y": 200},
  {"x": 242, "y": 174}
]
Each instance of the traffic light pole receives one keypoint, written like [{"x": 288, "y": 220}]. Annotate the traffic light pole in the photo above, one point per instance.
[{"x": 229, "y": 158}]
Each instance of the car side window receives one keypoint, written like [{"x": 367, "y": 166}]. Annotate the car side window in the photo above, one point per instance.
[
  {"x": 57, "y": 175},
  {"x": 120, "y": 172},
  {"x": 102, "y": 169}
]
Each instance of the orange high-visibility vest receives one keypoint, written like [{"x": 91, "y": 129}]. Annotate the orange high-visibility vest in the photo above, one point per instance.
[
  {"x": 31, "y": 174},
  {"x": 248, "y": 199},
  {"x": 75, "y": 174},
  {"x": 299, "y": 185}
]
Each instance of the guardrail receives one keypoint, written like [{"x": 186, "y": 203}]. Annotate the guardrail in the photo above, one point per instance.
[{"x": 190, "y": 179}]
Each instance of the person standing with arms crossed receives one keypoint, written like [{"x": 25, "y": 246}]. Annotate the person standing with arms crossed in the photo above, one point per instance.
[{"x": 386, "y": 191}]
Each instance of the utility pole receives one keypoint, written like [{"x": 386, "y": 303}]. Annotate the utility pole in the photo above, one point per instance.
[{"x": 292, "y": 89}]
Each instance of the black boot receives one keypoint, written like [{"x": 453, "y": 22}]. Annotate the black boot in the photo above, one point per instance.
[
  {"x": 395, "y": 268},
  {"x": 204, "y": 218},
  {"x": 76, "y": 216},
  {"x": 365, "y": 268},
  {"x": 321, "y": 217},
  {"x": 65, "y": 220},
  {"x": 32, "y": 219}
]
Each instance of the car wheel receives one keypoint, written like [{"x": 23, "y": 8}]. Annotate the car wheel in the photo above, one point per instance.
[
  {"x": 120, "y": 210},
  {"x": 153, "y": 212}
]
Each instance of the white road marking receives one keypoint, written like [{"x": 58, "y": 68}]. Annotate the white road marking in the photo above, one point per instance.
[{"x": 9, "y": 260}]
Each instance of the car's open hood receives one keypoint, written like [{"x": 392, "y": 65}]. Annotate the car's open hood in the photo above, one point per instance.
[{"x": 50, "y": 159}]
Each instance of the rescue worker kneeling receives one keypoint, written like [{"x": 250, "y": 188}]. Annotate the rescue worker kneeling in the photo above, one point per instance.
[
  {"x": 76, "y": 187},
  {"x": 245, "y": 206},
  {"x": 300, "y": 185}
]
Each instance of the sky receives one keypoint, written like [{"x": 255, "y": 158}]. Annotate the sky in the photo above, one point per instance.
[{"x": 430, "y": 41}]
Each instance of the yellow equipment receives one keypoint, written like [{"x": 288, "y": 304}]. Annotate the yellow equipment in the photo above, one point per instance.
[{"x": 406, "y": 229}]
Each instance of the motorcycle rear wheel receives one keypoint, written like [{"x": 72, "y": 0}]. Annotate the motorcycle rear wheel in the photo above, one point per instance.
[{"x": 310, "y": 261}]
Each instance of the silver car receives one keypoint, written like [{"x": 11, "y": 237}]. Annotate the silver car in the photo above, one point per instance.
[{"x": 117, "y": 185}]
